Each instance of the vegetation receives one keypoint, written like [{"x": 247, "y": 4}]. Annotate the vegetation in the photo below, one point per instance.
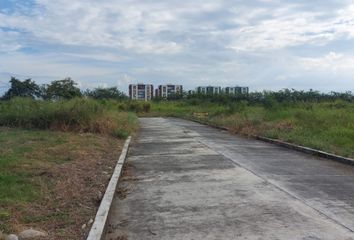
[
  {"x": 53, "y": 181},
  {"x": 26, "y": 88},
  {"x": 321, "y": 123},
  {"x": 106, "y": 93},
  {"x": 58, "y": 90},
  {"x": 78, "y": 114},
  {"x": 270, "y": 97},
  {"x": 61, "y": 89},
  {"x": 309, "y": 118}
]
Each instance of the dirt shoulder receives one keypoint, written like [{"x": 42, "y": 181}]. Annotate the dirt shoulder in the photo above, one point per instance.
[{"x": 53, "y": 181}]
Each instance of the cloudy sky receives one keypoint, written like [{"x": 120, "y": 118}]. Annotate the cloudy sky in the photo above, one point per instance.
[{"x": 264, "y": 44}]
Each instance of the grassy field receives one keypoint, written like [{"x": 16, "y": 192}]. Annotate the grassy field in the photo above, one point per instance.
[
  {"x": 56, "y": 159},
  {"x": 327, "y": 126}
]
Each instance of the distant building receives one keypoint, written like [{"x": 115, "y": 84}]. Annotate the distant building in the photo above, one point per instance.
[
  {"x": 142, "y": 92},
  {"x": 169, "y": 90},
  {"x": 191, "y": 92},
  {"x": 208, "y": 90},
  {"x": 236, "y": 90}
]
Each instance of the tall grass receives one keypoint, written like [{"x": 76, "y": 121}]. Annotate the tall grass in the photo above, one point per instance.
[
  {"x": 79, "y": 114},
  {"x": 327, "y": 126}
]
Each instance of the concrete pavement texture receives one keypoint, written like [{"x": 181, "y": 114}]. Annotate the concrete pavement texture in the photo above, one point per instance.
[{"x": 185, "y": 180}]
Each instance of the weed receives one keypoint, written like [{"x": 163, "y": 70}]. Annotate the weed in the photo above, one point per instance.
[{"x": 121, "y": 133}]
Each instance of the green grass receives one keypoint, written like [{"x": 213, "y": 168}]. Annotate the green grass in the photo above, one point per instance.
[
  {"x": 327, "y": 126},
  {"x": 40, "y": 138},
  {"x": 21, "y": 149},
  {"x": 31, "y": 175},
  {"x": 20, "y": 156},
  {"x": 23, "y": 154}
]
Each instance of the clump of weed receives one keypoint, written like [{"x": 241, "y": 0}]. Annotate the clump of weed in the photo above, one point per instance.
[
  {"x": 237, "y": 107},
  {"x": 121, "y": 133},
  {"x": 135, "y": 106}
]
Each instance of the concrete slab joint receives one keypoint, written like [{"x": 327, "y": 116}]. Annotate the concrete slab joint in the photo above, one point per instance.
[{"x": 99, "y": 225}]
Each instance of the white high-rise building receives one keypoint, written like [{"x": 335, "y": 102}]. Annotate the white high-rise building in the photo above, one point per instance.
[
  {"x": 142, "y": 92},
  {"x": 208, "y": 90},
  {"x": 236, "y": 90},
  {"x": 169, "y": 90}
]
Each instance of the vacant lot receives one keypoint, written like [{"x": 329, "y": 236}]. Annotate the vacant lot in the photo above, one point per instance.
[{"x": 56, "y": 159}]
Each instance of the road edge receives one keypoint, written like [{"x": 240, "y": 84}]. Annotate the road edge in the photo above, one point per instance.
[
  {"x": 319, "y": 153},
  {"x": 308, "y": 150},
  {"x": 99, "y": 225}
]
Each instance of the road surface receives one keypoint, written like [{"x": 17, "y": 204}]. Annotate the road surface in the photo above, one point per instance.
[{"x": 189, "y": 181}]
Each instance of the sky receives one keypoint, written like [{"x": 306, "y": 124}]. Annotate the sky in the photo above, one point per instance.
[{"x": 263, "y": 44}]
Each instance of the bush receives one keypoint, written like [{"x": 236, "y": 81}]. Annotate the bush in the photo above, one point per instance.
[
  {"x": 270, "y": 103},
  {"x": 146, "y": 107},
  {"x": 237, "y": 107},
  {"x": 120, "y": 133},
  {"x": 135, "y": 106},
  {"x": 106, "y": 93}
]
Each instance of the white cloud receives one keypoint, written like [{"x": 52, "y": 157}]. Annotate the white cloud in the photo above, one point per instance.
[
  {"x": 260, "y": 43},
  {"x": 103, "y": 56},
  {"x": 334, "y": 62},
  {"x": 104, "y": 24},
  {"x": 9, "y": 42},
  {"x": 137, "y": 25},
  {"x": 51, "y": 66},
  {"x": 287, "y": 28}
]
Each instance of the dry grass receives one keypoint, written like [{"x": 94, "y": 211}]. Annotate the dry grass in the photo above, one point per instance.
[
  {"x": 325, "y": 125},
  {"x": 76, "y": 115},
  {"x": 67, "y": 174}
]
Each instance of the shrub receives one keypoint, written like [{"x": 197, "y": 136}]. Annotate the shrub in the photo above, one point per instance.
[
  {"x": 135, "y": 106},
  {"x": 270, "y": 103},
  {"x": 120, "y": 133},
  {"x": 237, "y": 107},
  {"x": 146, "y": 107}
]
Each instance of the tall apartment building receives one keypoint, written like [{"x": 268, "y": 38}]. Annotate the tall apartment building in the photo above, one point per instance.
[
  {"x": 169, "y": 90},
  {"x": 236, "y": 90},
  {"x": 142, "y": 92},
  {"x": 208, "y": 90},
  {"x": 191, "y": 92}
]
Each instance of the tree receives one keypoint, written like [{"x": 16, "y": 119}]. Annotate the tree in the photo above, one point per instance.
[
  {"x": 61, "y": 89},
  {"x": 26, "y": 88},
  {"x": 106, "y": 93}
]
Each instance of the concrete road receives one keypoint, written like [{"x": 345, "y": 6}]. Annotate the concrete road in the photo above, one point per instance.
[{"x": 189, "y": 181}]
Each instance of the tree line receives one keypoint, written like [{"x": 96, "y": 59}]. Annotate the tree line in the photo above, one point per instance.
[
  {"x": 282, "y": 96},
  {"x": 67, "y": 89},
  {"x": 58, "y": 89}
]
